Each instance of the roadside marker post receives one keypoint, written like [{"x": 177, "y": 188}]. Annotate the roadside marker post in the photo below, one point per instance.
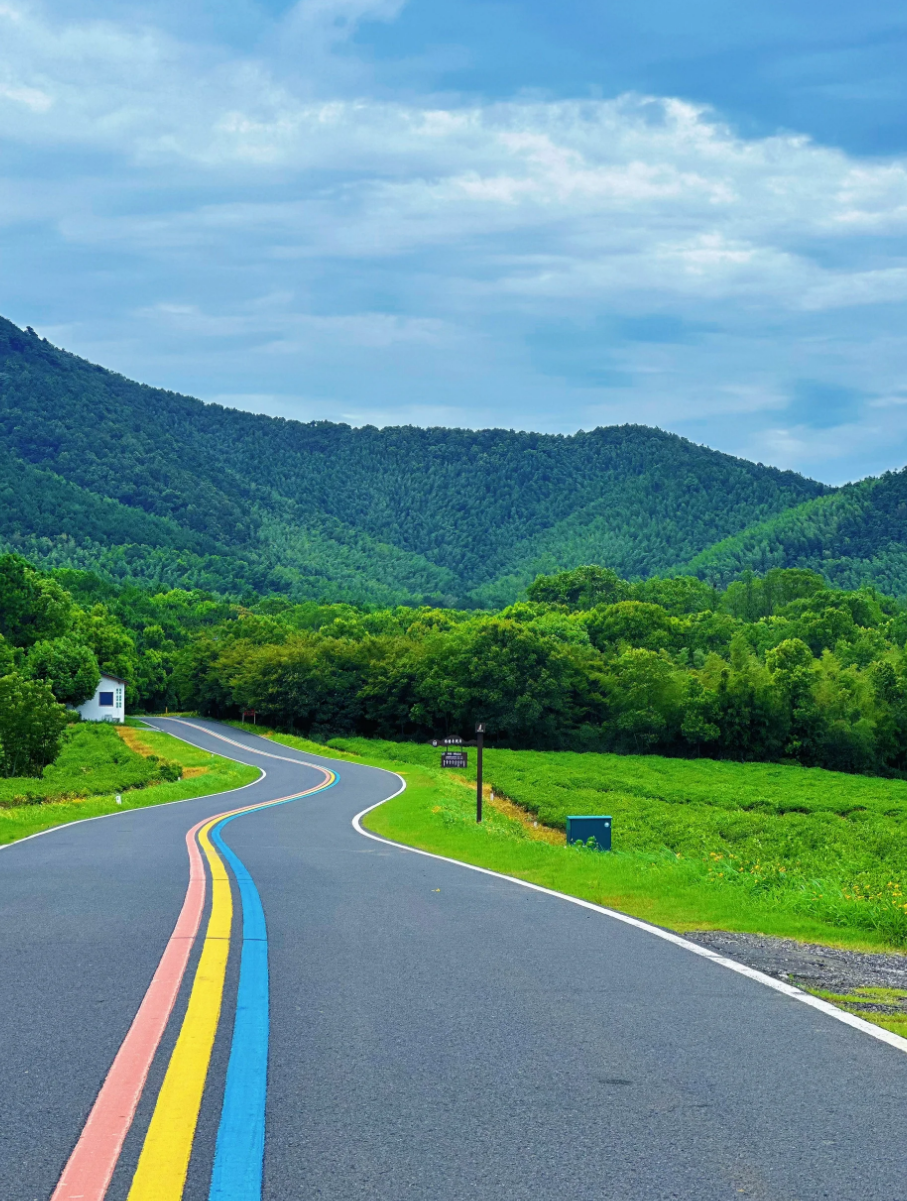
[
  {"x": 460, "y": 759},
  {"x": 480, "y": 734}
]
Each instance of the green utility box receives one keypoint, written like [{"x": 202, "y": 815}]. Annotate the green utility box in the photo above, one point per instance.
[{"x": 581, "y": 829}]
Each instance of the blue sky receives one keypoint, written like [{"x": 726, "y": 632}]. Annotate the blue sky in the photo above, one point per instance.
[{"x": 527, "y": 215}]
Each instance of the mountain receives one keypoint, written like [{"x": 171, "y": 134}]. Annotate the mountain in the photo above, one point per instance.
[
  {"x": 142, "y": 484},
  {"x": 856, "y": 535}
]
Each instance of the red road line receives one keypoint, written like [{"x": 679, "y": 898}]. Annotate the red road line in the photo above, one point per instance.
[{"x": 90, "y": 1167}]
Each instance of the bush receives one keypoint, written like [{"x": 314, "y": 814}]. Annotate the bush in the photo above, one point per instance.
[{"x": 31, "y": 724}]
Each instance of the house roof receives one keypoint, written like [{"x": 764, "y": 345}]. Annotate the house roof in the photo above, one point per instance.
[{"x": 105, "y": 675}]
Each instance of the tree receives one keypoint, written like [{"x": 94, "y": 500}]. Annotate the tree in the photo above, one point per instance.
[
  {"x": 645, "y": 699},
  {"x": 521, "y": 682},
  {"x": 700, "y": 714},
  {"x": 633, "y": 622},
  {"x": 678, "y": 595},
  {"x": 68, "y": 667},
  {"x": 581, "y": 588},
  {"x": 32, "y": 606},
  {"x": 7, "y": 657},
  {"x": 31, "y": 725},
  {"x": 113, "y": 646},
  {"x": 308, "y": 681}
]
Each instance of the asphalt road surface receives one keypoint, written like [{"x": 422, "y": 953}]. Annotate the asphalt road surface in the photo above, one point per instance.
[{"x": 435, "y": 1034}]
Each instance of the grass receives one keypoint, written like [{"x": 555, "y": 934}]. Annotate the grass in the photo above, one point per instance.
[
  {"x": 858, "y": 1001},
  {"x": 798, "y": 853},
  {"x": 97, "y": 762},
  {"x": 95, "y": 758}
]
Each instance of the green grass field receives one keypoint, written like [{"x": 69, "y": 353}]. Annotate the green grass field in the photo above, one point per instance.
[
  {"x": 96, "y": 764},
  {"x": 795, "y": 852},
  {"x": 93, "y": 760}
]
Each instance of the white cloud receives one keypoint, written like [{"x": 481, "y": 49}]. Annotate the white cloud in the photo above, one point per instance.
[
  {"x": 274, "y": 325},
  {"x": 267, "y": 198}
]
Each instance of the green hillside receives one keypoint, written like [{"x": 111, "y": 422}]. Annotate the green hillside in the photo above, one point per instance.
[
  {"x": 147, "y": 486},
  {"x": 855, "y": 536}
]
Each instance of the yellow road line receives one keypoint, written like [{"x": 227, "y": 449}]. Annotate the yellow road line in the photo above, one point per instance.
[{"x": 162, "y": 1167}]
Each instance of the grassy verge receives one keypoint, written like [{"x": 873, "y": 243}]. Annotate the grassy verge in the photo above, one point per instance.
[
  {"x": 815, "y": 856},
  {"x": 121, "y": 760},
  {"x": 887, "y": 1002}
]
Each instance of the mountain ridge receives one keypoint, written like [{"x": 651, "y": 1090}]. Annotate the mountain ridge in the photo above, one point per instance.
[{"x": 220, "y": 498}]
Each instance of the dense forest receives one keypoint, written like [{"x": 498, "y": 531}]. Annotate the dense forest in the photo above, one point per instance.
[
  {"x": 854, "y": 536},
  {"x": 779, "y": 667},
  {"x": 149, "y": 487}
]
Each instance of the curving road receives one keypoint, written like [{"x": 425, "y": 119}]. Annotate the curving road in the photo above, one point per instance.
[{"x": 429, "y": 1033}]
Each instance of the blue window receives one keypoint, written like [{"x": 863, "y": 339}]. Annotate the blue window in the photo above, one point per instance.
[{"x": 105, "y": 698}]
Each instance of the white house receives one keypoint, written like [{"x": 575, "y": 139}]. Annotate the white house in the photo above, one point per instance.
[{"x": 108, "y": 702}]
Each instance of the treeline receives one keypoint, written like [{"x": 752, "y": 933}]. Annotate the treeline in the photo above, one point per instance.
[
  {"x": 775, "y": 667},
  {"x": 780, "y": 667}
]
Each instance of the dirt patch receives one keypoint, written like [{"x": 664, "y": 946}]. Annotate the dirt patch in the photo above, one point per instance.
[
  {"x": 867, "y": 982},
  {"x": 189, "y": 772},
  {"x": 133, "y": 739},
  {"x": 533, "y": 827},
  {"x": 507, "y": 807}
]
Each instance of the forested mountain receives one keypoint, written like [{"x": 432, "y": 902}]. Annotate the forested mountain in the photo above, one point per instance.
[
  {"x": 149, "y": 486},
  {"x": 856, "y": 536}
]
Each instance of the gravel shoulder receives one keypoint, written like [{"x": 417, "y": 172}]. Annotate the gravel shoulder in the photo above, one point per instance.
[{"x": 869, "y": 980}]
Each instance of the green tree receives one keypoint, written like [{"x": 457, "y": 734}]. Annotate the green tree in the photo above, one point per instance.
[
  {"x": 31, "y": 726},
  {"x": 307, "y": 682},
  {"x": 32, "y": 606},
  {"x": 7, "y": 657},
  {"x": 645, "y": 699},
  {"x": 68, "y": 667},
  {"x": 678, "y": 595},
  {"x": 519, "y": 681},
  {"x": 581, "y": 588},
  {"x": 113, "y": 646},
  {"x": 632, "y": 622},
  {"x": 700, "y": 715}
]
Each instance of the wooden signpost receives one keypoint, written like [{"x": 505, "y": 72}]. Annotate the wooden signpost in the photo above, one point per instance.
[{"x": 461, "y": 759}]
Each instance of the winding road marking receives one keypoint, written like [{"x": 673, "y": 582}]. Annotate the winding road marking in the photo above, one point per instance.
[{"x": 164, "y": 1159}]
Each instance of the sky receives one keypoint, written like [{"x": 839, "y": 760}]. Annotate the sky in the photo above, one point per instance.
[{"x": 469, "y": 213}]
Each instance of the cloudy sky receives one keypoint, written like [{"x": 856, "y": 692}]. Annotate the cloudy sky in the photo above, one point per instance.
[{"x": 463, "y": 212}]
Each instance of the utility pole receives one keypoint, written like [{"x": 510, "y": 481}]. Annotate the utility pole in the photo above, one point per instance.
[{"x": 480, "y": 732}]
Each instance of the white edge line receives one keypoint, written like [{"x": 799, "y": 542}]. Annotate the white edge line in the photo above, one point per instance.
[
  {"x": 232, "y": 742},
  {"x": 788, "y": 990},
  {"x": 81, "y": 821}
]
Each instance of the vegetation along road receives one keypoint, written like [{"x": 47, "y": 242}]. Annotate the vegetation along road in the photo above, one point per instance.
[{"x": 361, "y": 1021}]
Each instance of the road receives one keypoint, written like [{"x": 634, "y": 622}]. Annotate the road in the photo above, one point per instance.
[{"x": 434, "y": 1033}]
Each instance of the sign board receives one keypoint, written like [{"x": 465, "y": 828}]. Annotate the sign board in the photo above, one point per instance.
[
  {"x": 452, "y": 741},
  {"x": 454, "y": 759}
]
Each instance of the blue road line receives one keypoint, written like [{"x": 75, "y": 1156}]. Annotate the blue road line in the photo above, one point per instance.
[{"x": 240, "y": 1147}]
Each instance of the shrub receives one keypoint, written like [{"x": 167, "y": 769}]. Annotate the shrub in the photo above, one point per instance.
[{"x": 31, "y": 724}]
